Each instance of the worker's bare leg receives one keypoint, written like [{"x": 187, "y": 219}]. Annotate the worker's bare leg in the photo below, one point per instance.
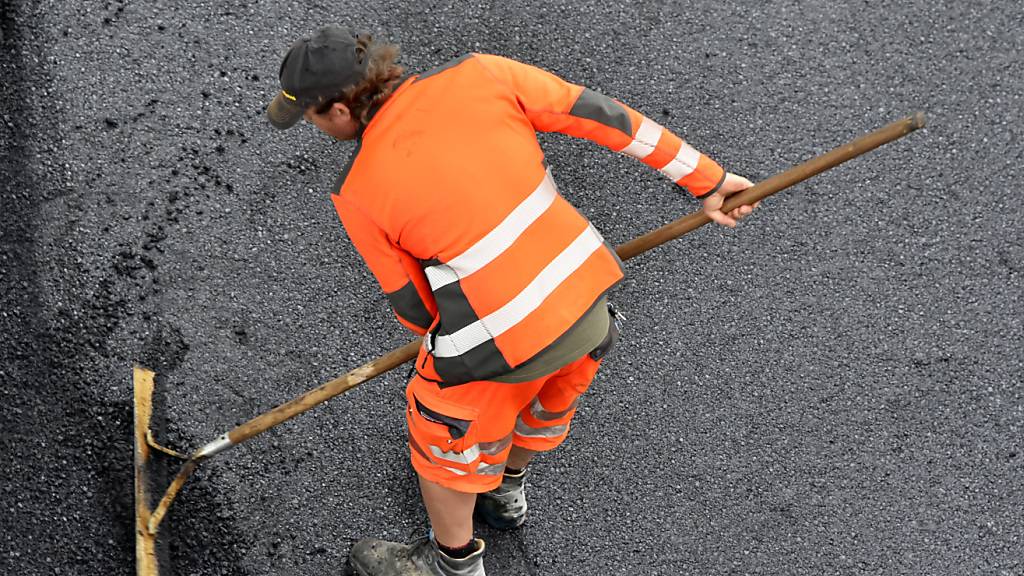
[
  {"x": 451, "y": 513},
  {"x": 518, "y": 457}
]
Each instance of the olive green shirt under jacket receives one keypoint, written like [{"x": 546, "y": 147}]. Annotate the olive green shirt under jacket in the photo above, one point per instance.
[{"x": 588, "y": 332}]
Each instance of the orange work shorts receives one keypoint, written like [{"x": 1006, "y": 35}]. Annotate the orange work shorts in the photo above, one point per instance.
[{"x": 460, "y": 436}]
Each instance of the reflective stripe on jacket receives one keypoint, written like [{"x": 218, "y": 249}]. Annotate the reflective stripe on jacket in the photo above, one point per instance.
[{"x": 449, "y": 202}]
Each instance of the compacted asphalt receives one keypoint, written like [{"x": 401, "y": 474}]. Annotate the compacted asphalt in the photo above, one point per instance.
[{"x": 835, "y": 387}]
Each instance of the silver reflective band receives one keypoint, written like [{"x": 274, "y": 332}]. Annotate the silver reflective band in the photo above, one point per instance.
[
  {"x": 497, "y": 322},
  {"x": 470, "y": 454},
  {"x": 496, "y": 447},
  {"x": 465, "y": 457},
  {"x": 455, "y": 470},
  {"x": 538, "y": 411},
  {"x": 646, "y": 140},
  {"x": 527, "y": 431},
  {"x": 440, "y": 275},
  {"x": 498, "y": 239},
  {"x": 683, "y": 164},
  {"x": 490, "y": 469}
]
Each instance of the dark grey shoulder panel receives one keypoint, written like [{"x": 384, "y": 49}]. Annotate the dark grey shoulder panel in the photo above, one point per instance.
[
  {"x": 600, "y": 108},
  {"x": 407, "y": 303},
  {"x": 443, "y": 67},
  {"x": 340, "y": 180}
]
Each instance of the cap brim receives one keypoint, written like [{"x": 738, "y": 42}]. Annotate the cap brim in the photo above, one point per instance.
[{"x": 284, "y": 113}]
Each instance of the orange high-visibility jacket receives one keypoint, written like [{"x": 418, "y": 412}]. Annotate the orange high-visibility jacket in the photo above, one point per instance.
[{"x": 449, "y": 201}]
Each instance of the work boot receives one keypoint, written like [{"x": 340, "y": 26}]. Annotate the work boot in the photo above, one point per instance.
[
  {"x": 372, "y": 557},
  {"x": 504, "y": 507}
]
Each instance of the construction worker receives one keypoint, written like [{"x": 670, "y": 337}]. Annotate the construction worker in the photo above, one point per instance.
[{"x": 448, "y": 199}]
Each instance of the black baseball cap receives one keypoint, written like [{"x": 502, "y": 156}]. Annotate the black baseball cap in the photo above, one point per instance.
[{"x": 316, "y": 70}]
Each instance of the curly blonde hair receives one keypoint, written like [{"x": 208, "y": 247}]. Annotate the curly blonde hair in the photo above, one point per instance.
[{"x": 381, "y": 79}]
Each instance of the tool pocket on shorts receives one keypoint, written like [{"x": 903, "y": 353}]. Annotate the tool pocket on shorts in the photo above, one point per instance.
[
  {"x": 444, "y": 433},
  {"x": 610, "y": 338}
]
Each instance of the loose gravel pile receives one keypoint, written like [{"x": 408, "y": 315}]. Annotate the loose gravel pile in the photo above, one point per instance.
[{"x": 836, "y": 387}]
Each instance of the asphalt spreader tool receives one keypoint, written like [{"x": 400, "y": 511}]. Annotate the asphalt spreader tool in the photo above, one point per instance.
[{"x": 148, "y": 517}]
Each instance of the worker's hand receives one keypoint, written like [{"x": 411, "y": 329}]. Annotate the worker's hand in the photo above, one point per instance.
[{"x": 713, "y": 203}]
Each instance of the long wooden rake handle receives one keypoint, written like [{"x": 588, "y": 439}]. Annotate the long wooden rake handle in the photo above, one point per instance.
[{"x": 634, "y": 247}]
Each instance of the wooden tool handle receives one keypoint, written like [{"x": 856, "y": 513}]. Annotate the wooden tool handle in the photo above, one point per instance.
[{"x": 317, "y": 396}]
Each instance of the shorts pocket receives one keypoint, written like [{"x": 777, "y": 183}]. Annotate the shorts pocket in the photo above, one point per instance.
[{"x": 444, "y": 433}]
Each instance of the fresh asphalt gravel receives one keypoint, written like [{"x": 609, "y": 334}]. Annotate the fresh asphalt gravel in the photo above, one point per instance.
[{"x": 835, "y": 387}]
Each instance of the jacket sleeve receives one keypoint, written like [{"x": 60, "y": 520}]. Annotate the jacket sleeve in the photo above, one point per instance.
[
  {"x": 554, "y": 105},
  {"x": 399, "y": 273}
]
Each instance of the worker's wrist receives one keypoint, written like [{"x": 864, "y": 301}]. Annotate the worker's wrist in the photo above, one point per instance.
[{"x": 711, "y": 183}]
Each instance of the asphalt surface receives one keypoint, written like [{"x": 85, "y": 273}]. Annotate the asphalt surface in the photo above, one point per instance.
[{"x": 835, "y": 387}]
